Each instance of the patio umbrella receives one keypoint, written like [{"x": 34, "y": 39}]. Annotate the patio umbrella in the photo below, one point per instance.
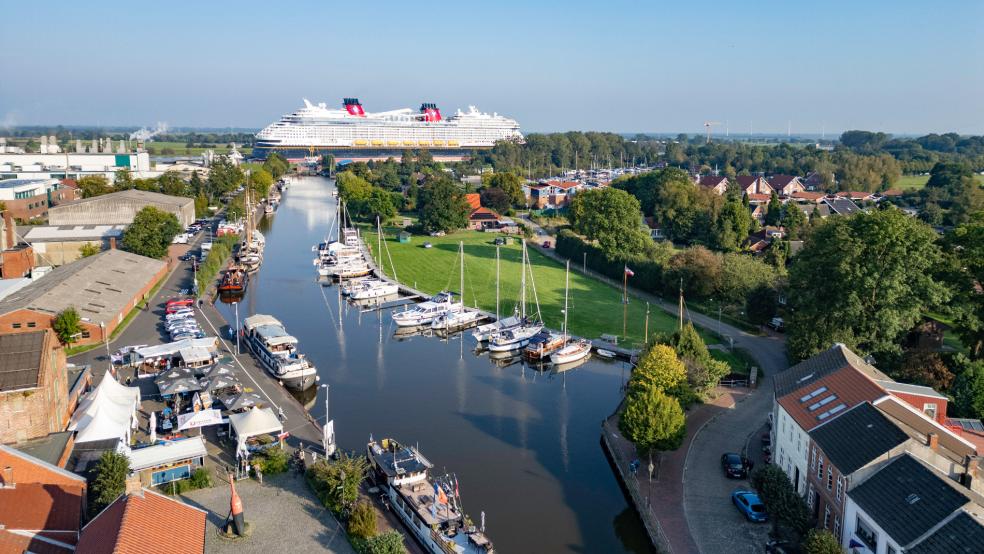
[{"x": 153, "y": 427}]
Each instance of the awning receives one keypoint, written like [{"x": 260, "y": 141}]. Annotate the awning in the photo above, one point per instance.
[
  {"x": 177, "y": 381},
  {"x": 258, "y": 421},
  {"x": 172, "y": 348},
  {"x": 195, "y": 355},
  {"x": 236, "y": 402},
  {"x": 166, "y": 453}
]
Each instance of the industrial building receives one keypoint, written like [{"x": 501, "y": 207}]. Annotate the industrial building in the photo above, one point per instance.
[
  {"x": 119, "y": 208},
  {"x": 56, "y": 245},
  {"x": 30, "y": 198},
  {"x": 102, "y": 288},
  {"x": 72, "y": 165},
  {"x": 34, "y": 399}
]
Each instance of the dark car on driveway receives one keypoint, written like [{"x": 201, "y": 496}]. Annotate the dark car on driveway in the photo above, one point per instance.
[{"x": 734, "y": 466}]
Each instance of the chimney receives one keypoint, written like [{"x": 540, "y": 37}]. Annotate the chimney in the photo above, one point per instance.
[
  {"x": 9, "y": 229},
  {"x": 8, "y": 478},
  {"x": 970, "y": 471},
  {"x": 112, "y": 243},
  {"x": 133, "y": 486},
  {"x": 933, "y": 441}
]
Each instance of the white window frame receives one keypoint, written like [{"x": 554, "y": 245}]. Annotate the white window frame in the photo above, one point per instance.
[
  {"x": 840, "y": 487},
  {"x": 930, "y": 407},
  {"x": 820, "y": 468},
  {"x": 826, "y": 517}
]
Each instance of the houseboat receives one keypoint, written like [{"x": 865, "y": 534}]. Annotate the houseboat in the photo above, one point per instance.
[{"x": 277, "y": 352}]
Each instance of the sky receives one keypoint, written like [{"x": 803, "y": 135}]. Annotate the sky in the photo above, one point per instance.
[{"x": 901, "y": 67}]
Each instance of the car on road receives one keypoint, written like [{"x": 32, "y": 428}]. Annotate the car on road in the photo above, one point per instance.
[
  {"x": 778, "y": 324},
  {"x": 750, "y": 506},
  {"x": 180, "y": 302},
  {"x": 183, "y": 238},
  {"x": 734, "y": 465}
]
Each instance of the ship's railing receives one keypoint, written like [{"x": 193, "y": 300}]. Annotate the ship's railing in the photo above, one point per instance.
[{"x": 442, "y": 543}]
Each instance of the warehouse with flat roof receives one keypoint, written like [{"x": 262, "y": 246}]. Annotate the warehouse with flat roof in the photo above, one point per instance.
[
  {"x": 102, "y": 288},
  {"x": 119, "y": 208}
]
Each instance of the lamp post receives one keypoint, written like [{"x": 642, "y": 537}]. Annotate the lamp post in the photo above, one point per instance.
[{"x": 236, "y": 330}]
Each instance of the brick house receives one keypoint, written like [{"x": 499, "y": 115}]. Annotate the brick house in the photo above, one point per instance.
[
  {"x": 103, "y": 288},
  {"x": 749, "y": 184},
  {"x": 41, "y": 505},
  {"x": 785, "y": 185},
  {"x": 843, "y": 451},
  {"x": 141, "y": 518},
  {"x": 714, "y": 183},
  {"x": 29, "y": 198},
  {"x": 34, "y": 399}
]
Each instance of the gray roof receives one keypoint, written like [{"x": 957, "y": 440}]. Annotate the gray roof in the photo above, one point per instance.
[
  {"x": 962, "y": 534},
  {"x": 132, "y": 194},
  {"x": 99, "y": 286},
  {"x": 835, "y": 358},
  {"x": 842, "y": 206},
  {"x": 857, "y": 437},
  {"x": 61, "y": 233},
  {"x": 909, "y": 388},
  {"x": 20, "y": 360},
  {"x": 48, "y": 448},
  {"x": 907, "y": 499}
]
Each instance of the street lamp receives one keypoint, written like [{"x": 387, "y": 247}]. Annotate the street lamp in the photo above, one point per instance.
[{"x": 236, "y": 330}]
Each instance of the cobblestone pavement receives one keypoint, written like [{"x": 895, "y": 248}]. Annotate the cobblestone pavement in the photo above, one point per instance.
[{"x": 284, "y": 516}]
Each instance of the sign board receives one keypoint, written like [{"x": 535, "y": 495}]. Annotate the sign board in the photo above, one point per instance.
[{"x": 201, "y": 418}]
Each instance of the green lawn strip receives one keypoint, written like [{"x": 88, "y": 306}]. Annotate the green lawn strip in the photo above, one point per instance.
[
  {"x": 739, "y": 360},
  {"x": 595, "y": 307}
]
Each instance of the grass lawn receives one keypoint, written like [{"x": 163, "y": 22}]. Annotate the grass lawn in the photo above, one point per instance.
[
  {"x": 595, "y": 307},
  {"x": 739, "y": 360},
  {"x": 911, "y": 182}
]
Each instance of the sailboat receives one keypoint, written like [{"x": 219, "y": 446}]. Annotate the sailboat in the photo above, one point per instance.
[
  {"x": 462, "y": 317},
  {"x": 573, "y": 350},
  {"x": 483, "y": 333},
  {"x": 514, "y": 338}
]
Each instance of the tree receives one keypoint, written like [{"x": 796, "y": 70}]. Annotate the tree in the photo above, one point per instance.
[
  {"x": 925, "y": 367},
  {"x": 732, "y": 226},
  {"x": 761, "y": 304},
  {"x": 67, "y": 325},
  {"x": 378, "y": 205},
  {"x": 390, "y": 542},
  {"x": 277, "y": 166},
  {"x": 362, "y": 523},
  {"x": 652, "y": 419},
  {"x": 88, "y": 249},
  {"x": 201, "y": 205},
  {"x": 223, "y": 177},
  {"x": 496, "y": 199},
  {"x": 703, "y": 371},
  {"x": 773, "y": 213},
  {"x": 611, "y": 217},
  {"x": 442, "y": 205},
  {"x": 821, "y": 541},
  {"x": 794, "y": 220},
  {"x": 94, "y": 185},
  {"x": 110, "y": 482},
  {"x": 509, "y": 183},
  {"x": 151, "y": 232},
  {"x": 260, "y": 182},
  {"x": 863, "y": 281},
  {"x": 785, "y": 506},
  {"x": 965, "y": 255},
  {"x": 351, "y": 187},
  {"x": 660, "y": 368},
  {"x": 337, "y": 481},
  {"x": 195, "y": 184},
  {"x": 123, "y": 179},
  {"x": 968, "y": 388},
  {"x": 172, "y": 183}
]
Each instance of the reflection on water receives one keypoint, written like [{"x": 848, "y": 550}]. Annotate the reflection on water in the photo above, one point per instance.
[{"x": 522, "y": 439}]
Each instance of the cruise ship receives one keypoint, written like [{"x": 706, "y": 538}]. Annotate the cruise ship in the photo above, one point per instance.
[{"x": 351, "y": 131}]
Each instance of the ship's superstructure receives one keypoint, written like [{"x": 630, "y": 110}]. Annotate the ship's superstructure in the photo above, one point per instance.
[{"x": 316, "y": 129}]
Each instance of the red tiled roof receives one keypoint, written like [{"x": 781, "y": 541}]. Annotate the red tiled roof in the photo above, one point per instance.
[
  {"x": 474, "y": 200},
  {"x": 36, "y": 544},
  {"x": 145, "y": 523},
  {"x": 746, "y": 180},
  {"x": 36, "y": 506},
  {"x": 854, "y": 195},
  {"x": 806, "y": 195},
  {"x": 70, "y": 183},
  {"x": 848, "y": 385},
  {"x": 482, "y": 213},
  {"x": 755, "y": 197},
  {"x": 711, "y": 181}
]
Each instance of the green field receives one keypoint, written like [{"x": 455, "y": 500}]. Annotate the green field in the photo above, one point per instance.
[
  {"x": 595, "y": 307},
  {"x": 911, "y": 182},
  {"x": 181, "y": 150}
]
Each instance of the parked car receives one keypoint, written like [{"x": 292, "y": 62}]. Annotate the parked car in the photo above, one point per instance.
[
  {"x": 183, "y": 314},
  {"x": 749, "y": 505},
  {"x": 180, "y": 302},
  {"x": 181, "y": 239},
  {"x": 438, "y": 234},
  {"x": 734, "y": 465},
  {"x": 428, "y": 245},
  {"x": 176, "y": 308},
  {"x": 777, "y": 324}
]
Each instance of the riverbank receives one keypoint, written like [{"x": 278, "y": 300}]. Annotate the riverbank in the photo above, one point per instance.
[{"x": 594, "y": 307}]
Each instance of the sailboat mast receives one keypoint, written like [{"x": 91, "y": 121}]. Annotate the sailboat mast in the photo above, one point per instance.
[
  {"x": 461, "y": 285},
  {"x": 497, "y": 283},
  {"x": 522, "y": 284},
  {"x": 567, "y": 287}
]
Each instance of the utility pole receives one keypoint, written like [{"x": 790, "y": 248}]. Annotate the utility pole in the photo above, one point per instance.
[
  {"x": 645, "y": 336},
  {"x": 681, "y": 304},
  {"x": 237, "y": 328}
]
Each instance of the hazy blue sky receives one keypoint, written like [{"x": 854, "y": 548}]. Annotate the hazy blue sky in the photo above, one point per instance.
[{"x": 895, "y": 66}]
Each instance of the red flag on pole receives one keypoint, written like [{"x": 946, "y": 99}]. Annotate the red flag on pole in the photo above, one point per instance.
[{"x": 629, "y": 272}]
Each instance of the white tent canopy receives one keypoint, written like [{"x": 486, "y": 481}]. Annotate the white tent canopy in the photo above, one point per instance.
[
  {"x": 108, "y": 412},
  {"x": 258, "y": 421},
  {"x": 172, "y": 348},
  {"x": 166, "y": 453}
]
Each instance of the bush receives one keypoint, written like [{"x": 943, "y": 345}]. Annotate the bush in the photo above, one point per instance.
[
  {"x": 390, "y": 542},
  {"x": 786, "y": 508},
  {"x": 67, "y": 325},
  {"x": 362, "y": 524},
  {"x": 201, "y": 478},
  {"x": 271, "y": 461},
  {"x": 336, "y": 482},
  {"x": 110, "y": 482}
]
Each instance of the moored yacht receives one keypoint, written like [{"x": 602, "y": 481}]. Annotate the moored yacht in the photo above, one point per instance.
[
  {"x": 373, "y": 288},
  {"x": 277, "y": 352},
  {"x": 482, "y": 333},
  {"x": 425, "y": 312},
  {"x": 543, "y": 345},
  {"x": 430, "y": 507}
]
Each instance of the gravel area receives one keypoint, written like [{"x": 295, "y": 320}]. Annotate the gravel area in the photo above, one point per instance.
[{"x": 281, "y": 512}]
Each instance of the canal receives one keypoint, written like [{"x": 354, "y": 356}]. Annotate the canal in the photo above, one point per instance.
[{"x": 523, "y": 443}]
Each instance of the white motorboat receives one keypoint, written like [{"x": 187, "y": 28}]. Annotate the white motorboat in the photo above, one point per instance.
[
  {"x": 607, "y": 354},
  {"x": 462, "y": 317},
  {"x": 377, "y": 289},
  {"x": 425, "y": 312},
  {"x": 482, "y": 333}
]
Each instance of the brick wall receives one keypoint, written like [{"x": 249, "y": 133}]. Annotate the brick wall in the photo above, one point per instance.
[
  {"x": 28, "y": 208},
  {"x": 16, "y": 262},
  {"x": 41, "y": 410}
]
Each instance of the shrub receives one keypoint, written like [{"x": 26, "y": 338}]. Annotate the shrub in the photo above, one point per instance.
[
  {"x": 110, "y": 482},
  {"x": 271, "y": 461},
  {"x": 363, "y": 521}
]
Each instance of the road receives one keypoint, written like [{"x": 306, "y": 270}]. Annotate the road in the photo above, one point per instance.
[{"x": 714, "y": 523}]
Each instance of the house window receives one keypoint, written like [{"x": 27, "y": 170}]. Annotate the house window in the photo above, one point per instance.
[
  {"x": 930, "y": 410},
  {"x": 15, "y": 325},
  {"x": 830, "y": 478},
  {"x": 32, "y": 324},
  {"x": 840, "y": 487},
  {"x": 866, "y": 534},
  {"x": 813, "y": 458},
  {"x": 810, "y": 497},
  {"x": 85, "y": 334},
  {"x": 826, "y": 517},
  {"x": 837, "y": 527},
  {"x": 820, "y": 468}
]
